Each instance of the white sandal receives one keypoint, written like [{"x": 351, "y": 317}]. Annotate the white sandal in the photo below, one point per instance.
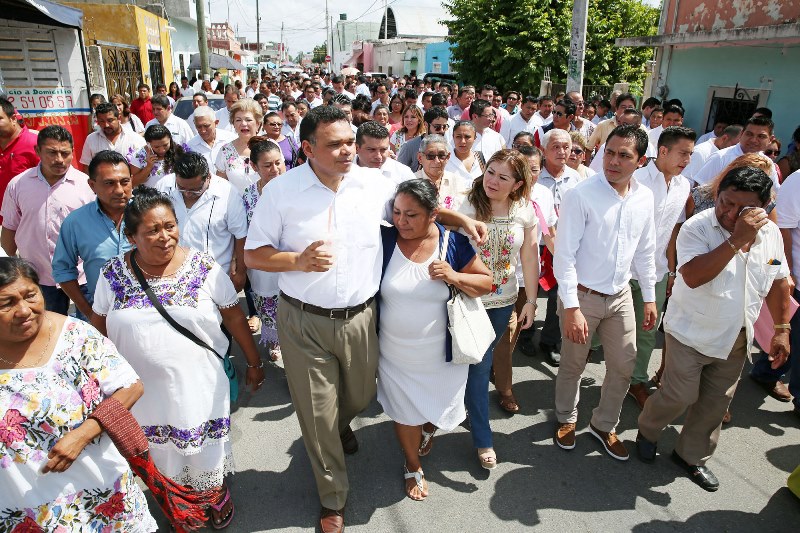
[
  {"x": 426, "y": 445},
  {"x": 488, "y": 458},
  {"x": 417, "y": 476}
]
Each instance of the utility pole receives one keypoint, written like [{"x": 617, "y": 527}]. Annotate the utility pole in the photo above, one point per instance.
[
  {"x": 280, "y": 54},
  {"x": 202, "y": 37},
  {"x": 577, "y": 46},
  {"x": 258, "y": 35},
  {"x": 327, "y": 33}
]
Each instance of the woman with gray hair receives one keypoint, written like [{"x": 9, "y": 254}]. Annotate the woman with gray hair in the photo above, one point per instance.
[
  {"x": 418, "y": 387},
  {"x": 434, "y": 152}
]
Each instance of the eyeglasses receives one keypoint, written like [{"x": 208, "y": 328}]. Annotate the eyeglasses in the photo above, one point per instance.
[
  {"x": 440, "y": 127},
  {"x": 441, "y": 156},
  {"x": 560, "y": 114},
  {"x": 381, "y": 92},
  {"x": 772, "y": 152},
  {"x": 577, "y": 151},
  {"x": 490, "y": 116},
  {"x": 276, "y": 124},
  {"x": 195, "y": 192}
]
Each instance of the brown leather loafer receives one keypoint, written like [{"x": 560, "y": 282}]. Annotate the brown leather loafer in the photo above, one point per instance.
[
  {"x": 331, "y": 521},
  {"x": 349, "y": 441},
  {"x": 565, "y": 435},
  {"x": 776, "y": 389},
  {"x": 638, "y": 391}
]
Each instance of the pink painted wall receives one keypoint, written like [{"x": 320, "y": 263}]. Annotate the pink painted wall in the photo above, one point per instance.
[{"x": 706, "y": 15}]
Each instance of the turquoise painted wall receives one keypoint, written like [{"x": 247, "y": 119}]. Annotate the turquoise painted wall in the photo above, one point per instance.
[
  {"x": 693, "y": 70},
  {"x": 440, "y": 50}
]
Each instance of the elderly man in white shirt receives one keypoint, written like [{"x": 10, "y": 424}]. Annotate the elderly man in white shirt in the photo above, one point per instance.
[
  {"x": 372, "y": 151},
  {"x": 110, "y": 136},
  {"x": 210, "y": 138},
  {"x": 178, "y": 128},
  {"x": 210, "y": 212},
  {"x": 487, "y": 141},
  {"x": 670, "y": 191},
  {"x": 329, "y": 258},
  {"x": 755, "y": 138},
  {"x": 703, "y": 151},
  {"x": 605, "y": 227},
  {"x": 730, "y": 261}
]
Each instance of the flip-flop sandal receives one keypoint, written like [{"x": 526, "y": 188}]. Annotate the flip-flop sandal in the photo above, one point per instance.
[
  {"x": 488, "y": 458},
  {"x": 417, "y": 476},
  {"x": 508, "y": 403},
  {"x": 218, "y": 507},
  {"x": 426, "y": 444}
]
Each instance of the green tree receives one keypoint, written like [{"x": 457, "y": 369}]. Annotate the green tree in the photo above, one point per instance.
[
  {"x": 319, "y": 53},
  {"x": 511, "y": 42}
]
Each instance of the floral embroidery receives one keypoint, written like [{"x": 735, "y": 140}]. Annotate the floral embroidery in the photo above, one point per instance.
[
  {"x": 90, "y": 392},
  {"x": 180, "y": 290},
  {"x": 232, "y": 159},
  {"x": 114, "y": 506},
  {"x": 250, "y": 198},
  {"x": 216, "y": 429},
  {"x": 11, "y": 427},
  {"x": 267, "y": 309},
  {"x": 139, "y": 159},
  {"x": 496, "y": 252},
  {"x": 447, "y": 203}
]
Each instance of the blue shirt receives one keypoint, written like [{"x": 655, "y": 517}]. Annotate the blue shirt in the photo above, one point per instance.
[{"x": 87, "y": 234}]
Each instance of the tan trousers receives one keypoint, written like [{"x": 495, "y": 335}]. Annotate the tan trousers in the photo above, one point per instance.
[
  {"x": 612, "y": 317},
  {"x": 704, "y": 385},
  {"x": 501, "y": 364},
  {"x": 331, "y": 368}
]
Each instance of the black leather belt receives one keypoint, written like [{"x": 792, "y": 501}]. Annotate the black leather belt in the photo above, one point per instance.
[
  {"x": 343, "y": 313},
  {"x": 587, "y": 290}
]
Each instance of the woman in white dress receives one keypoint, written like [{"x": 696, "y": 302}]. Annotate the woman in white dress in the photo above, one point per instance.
[
  {"x": 434, "y": 152},
  {"x": 417, "y": 385},
  {"x": 233, "y": 159},
  {"x": 500, "y": 198},
  {"x": 58, "y": 470},
  {"x": 267, "y": 161},
  {"x": 185, "y": 409},
  {"x": 466, "y": 163}
]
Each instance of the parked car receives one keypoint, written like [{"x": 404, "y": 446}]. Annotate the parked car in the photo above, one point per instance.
[
  {"x": 438, "y": 76},
  {"x": 184, "y": 107},
  {"x": 376, "y": 75}
]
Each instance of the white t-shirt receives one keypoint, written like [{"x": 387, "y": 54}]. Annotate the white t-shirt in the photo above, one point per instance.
[
  {"x": 179, "y": 128},
  {"x": 788, "y": 209},
  {"x": 127, "y": 144}
]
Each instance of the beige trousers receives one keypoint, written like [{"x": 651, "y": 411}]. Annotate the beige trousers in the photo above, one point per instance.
[
  {"x": 501, "y": 364},
  {"x": 331, "y": 368},
  {"x": 704, "y": 385},
  {"x": 613, "y": 318}
]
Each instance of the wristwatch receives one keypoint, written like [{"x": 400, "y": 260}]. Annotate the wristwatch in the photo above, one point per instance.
[{"x": 672, "y": 274}]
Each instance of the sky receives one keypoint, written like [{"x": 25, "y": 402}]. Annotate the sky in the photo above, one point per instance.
[{"x": 304, "y": 21}]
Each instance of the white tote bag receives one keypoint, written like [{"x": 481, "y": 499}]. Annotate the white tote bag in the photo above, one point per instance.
[{"x": 469, "y": 325}]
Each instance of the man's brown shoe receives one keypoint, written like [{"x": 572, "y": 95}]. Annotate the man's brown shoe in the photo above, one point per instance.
[
  {"x": 565, "y": 435},
  {"x": 638, "y": 391},
  {"x": 331, "y": 521},
  {"x": 776, "y": 389},
  {"x": 349, "y": 441},
  {"x": 611, "y": 443}
]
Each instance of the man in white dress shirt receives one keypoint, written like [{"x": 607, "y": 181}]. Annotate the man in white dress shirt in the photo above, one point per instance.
[
  {"x": 110, "y": 136},
  {"x": 487, "y": 141},
  {"x": 630, "y": 117},
  {"x": 730, "y": 261},
  {"x": 605, "y": 227},
  {"x": 224, "y": 114},
  {"x": 178, "y": 128},
  {"x": 372, "y": 151},
  {"x": 670, "y": 191},
  {"x": 719, "y": 126},
  {"x": 291, "y": 121},
  {"x": 338, "y": 85},
  {"x": 673, "y": 116},
  {"x": 544, "y": 115},
  {"x": 186, "y": 89},
  {"x": 329, "y": 259},
  {"x": 521, "y": 121},
  {"x": 755, "y": 138},
  {"x": 702, "y": 152},
  {"x": 210, "y": 138}
]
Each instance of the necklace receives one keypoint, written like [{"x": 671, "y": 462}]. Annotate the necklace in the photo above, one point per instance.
[
  {"x": 152, "y": 276},
  {"x": 44, "y": 351}
]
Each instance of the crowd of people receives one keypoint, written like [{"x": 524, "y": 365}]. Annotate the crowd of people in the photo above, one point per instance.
[{"x": 350, "y": 211}]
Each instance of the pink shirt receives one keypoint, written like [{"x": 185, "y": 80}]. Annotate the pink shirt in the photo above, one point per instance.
[
  {"x": 35, "y": 210},
  {"x": 16, "y": 158}
]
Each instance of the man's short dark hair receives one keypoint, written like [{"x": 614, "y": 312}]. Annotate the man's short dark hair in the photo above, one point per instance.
[
  {"x": 260, "y": 96},
  {"x": 464, "y": 89},
  {"x": 106, "y": 157},
  {"x": 160, "y": 100},
  {"x": 674, "y": 109},
  {"x": 569, "y": 106},
  {"x": 287, "y": 105},
  {"x": 323, "y": 114},
  {"x": 764, "y": 112},
  {"x": 337, "y": 79},
  {"x": 630, "y": 112},
  {"x": 371, "y": 129},
  {"x": 625, "y": 96},
  {"x": 733, "y": 131},
  {"x": 7, "y": 107},
  {"x": 341, "y": 99},
  {"x": 142, "y": 86},
  {"x": 55, "y": 133},
  {"x": 604, "y": 103},
  {"x": 651, "y": 102},
  {"x": 161, "y": 86},
  {"x": 477, "y": 107},
  {"x": 435, "y": 112},
  {"x": 427, "y": 94},
  {"x": 758, "y": 121},
  {"x": 411, "y": 93},
  {"x": 545, "y": 98},
  {"x": 671, "y": 135},
  {"x": 747, "y": 179},
  {"x": 203, "y": 96},
  {"x": 530, "y": 99},
  {"x": 106, "y": 107},
  {"x": 634, "y": 133},
  {"x": 362, "y": 103},
  {"x": 190, "y": 165},
  {"x": 438, "y": 99}
]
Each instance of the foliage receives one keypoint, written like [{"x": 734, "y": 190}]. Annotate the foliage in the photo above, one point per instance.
[
  {"x": 515, "y": 40},
  {"x": 319, "y": 54}
]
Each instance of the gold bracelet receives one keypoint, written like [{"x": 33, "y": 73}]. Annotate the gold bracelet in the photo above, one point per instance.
[
  {"x": 783, "y": 326},
  {"x": 735, "y": 249}
]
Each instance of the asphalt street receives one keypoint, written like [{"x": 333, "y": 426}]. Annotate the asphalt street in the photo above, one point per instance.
[{"x": 536, "y": 486}]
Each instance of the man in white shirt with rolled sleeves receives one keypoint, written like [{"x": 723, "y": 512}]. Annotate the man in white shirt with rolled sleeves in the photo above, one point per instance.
[
  {"x": 670, "y": 192},
  {"x": 605, "y": 227},
  {"x": 730, "y": 261}
]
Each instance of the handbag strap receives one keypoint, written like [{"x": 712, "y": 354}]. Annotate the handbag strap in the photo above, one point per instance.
[
  {"x": 163, "y": 312},
  {"x": 445, "y": 244}
]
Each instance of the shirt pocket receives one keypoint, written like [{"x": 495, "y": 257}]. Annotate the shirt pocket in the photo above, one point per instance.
[{"x": 762, "y": 277}]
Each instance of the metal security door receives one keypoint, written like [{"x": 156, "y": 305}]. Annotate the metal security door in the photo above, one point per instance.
[
  {"x": 156, "y": 72},
  {"x": 123, "y": 70}
]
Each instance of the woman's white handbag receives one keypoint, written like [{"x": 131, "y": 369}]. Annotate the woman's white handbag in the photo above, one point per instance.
[{"x": 469, "y": 325}]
